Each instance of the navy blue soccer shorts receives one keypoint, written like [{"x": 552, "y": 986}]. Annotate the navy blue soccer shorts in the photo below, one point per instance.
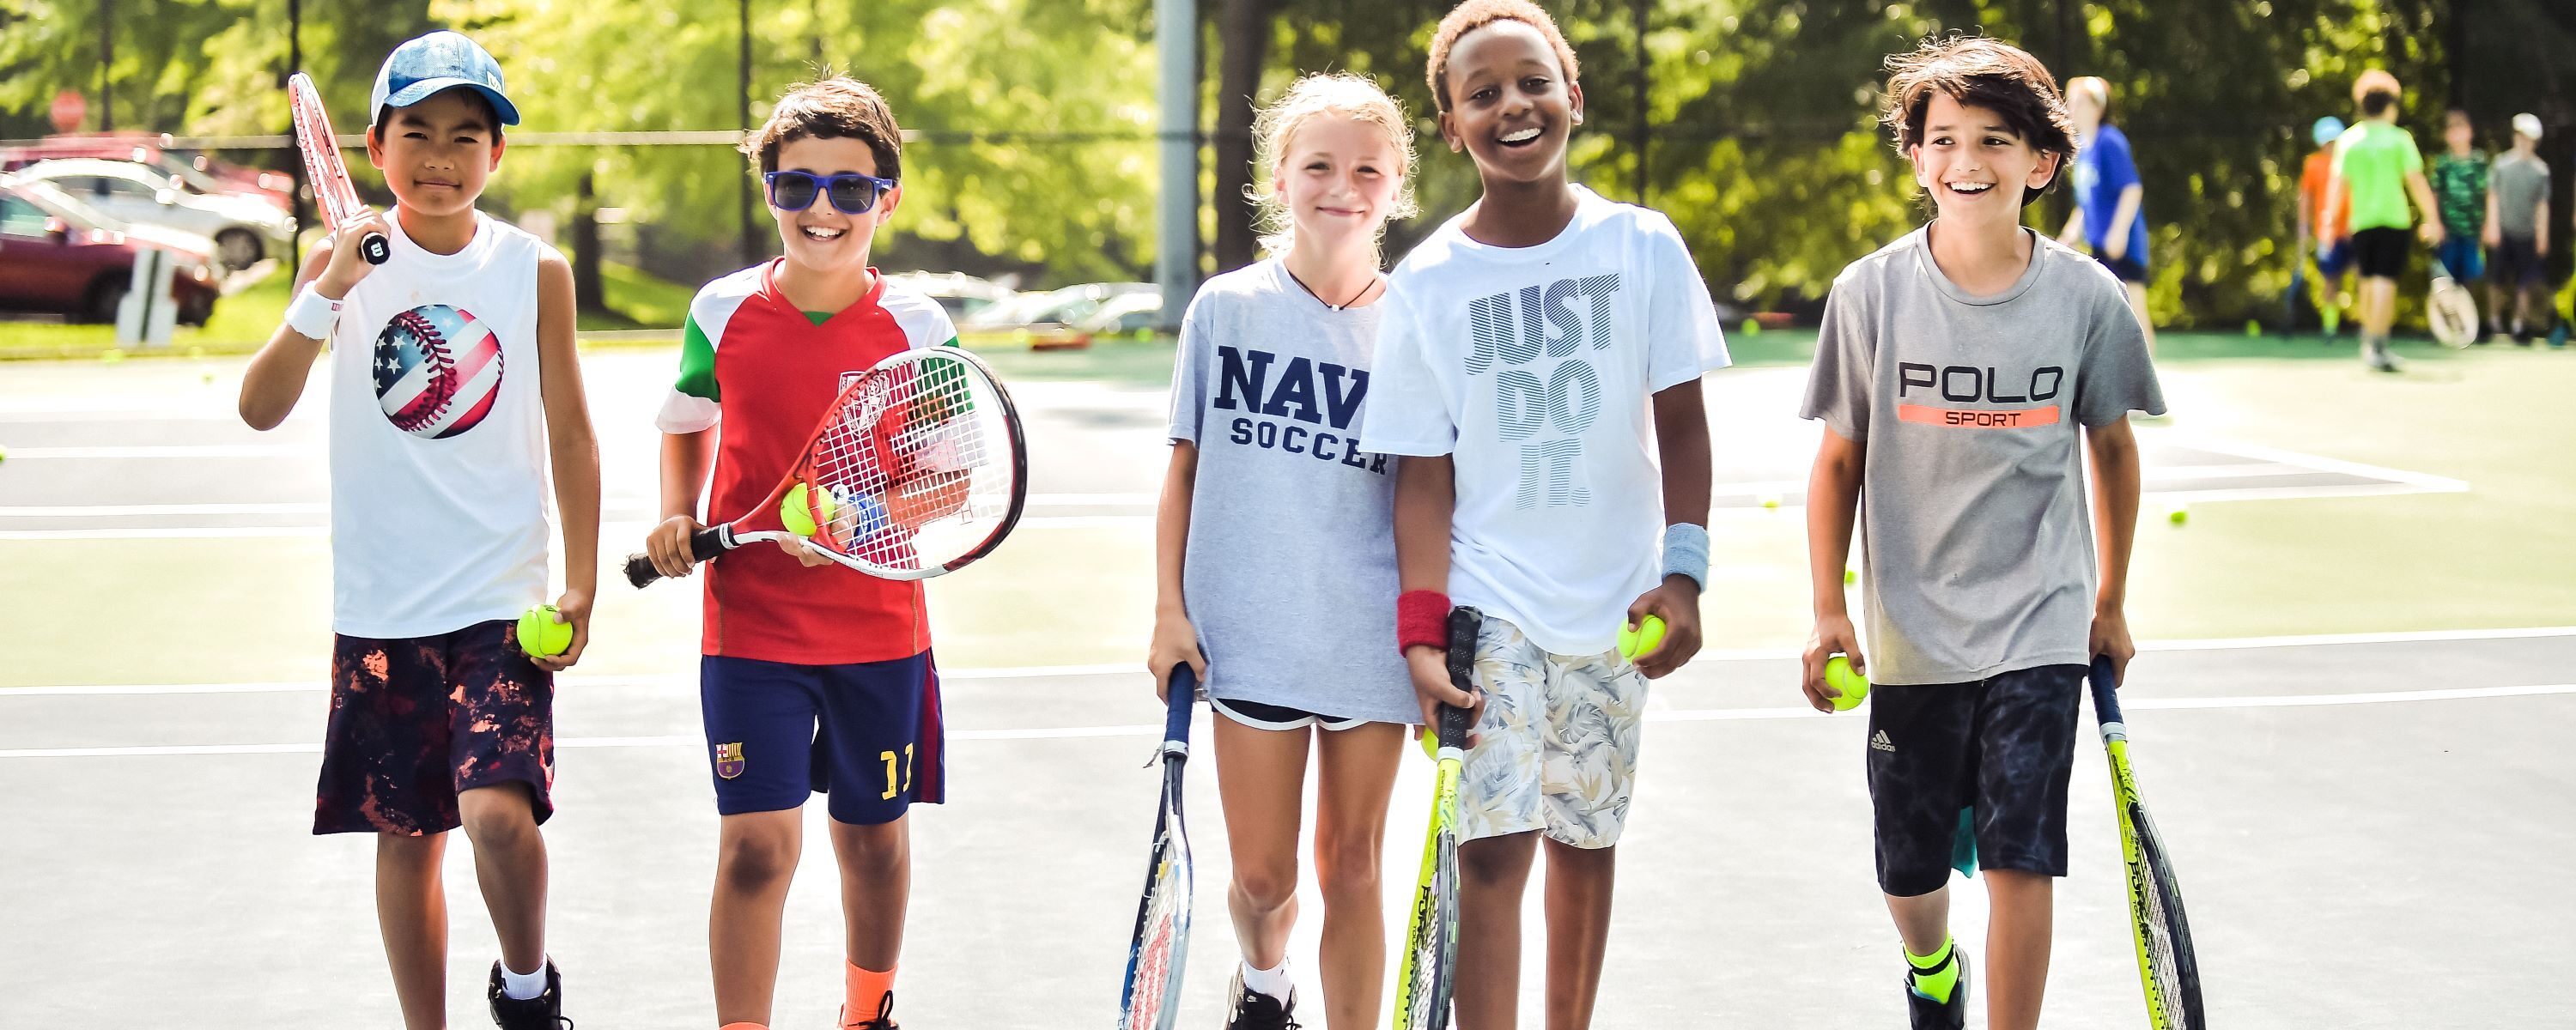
[{"x": 868, "y": 734}]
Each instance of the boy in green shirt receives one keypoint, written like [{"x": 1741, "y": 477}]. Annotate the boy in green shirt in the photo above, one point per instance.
[
  {"x": 2459, "y": 183},
  {"x": 2377, "y": 168}
]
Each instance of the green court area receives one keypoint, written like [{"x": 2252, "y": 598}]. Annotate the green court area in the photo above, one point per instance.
[{"x": 225, "y": 604}]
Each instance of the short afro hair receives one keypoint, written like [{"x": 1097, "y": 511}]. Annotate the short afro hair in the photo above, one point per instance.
[
  {"x": 1979, "y": 72},
  {"x": 1476, "y": 14}
]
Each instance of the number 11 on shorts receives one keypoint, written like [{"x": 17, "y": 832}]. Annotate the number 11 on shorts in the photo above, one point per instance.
[{"x": 895, "y": 785}]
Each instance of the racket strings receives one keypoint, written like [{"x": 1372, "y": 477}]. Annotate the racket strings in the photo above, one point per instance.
[
  {"x": 332, "y": 190},
  {"x": 915, "y": 471}
]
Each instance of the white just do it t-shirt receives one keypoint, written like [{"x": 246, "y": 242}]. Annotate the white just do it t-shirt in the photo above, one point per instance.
[{"x": 1534, "y": 369}]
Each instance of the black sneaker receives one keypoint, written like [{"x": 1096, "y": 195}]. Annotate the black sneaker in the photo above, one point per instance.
[
  {"x": 1254, "y": 1010},
  {"x": 543, "y": 1012},
  {"x": 1928, "y": 1014},
  {"x": 883, "y": 1020}
]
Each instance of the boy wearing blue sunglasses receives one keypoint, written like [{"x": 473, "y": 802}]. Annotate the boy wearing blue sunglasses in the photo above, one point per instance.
[{"x": 812, "y": 679}]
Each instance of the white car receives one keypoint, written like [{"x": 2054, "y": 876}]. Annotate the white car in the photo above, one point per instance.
[{"x": 244, "y": 228}]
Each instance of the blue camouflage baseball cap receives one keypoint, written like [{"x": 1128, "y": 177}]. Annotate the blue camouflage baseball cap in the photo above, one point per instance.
[{"x": 435, "y": 63}]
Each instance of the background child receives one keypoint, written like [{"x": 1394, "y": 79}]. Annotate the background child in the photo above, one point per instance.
[
  {"x": 2377, "y": 168},
  {"x": 2110, "y": 201},
  {"x": 2517, "y": 226},
  {"x": 2322, "y": 234},
  {"x": 1521, "y": 346},
  {"x": 457, "y": 386},
  {"x": 814, "y": 678},
  {"x": 1276, "y": 546},
  {"x": 2459, "y": 181},
  {"x": 1951, "y": 371}
]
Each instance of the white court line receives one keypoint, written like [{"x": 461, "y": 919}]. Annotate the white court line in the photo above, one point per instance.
[
  {"x": 170, "y": 451},
  {"x": 577, "y": 682},
  {"x": 1085, "y": 732}
]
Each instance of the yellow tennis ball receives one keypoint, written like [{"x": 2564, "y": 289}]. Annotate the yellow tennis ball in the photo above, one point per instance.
[
  {"x": 541, "y": 634},
  {"x": 1854, "y": 686},
  {"x": 2179, "y": 515},
  {"x": 794, "y": 513},
  {"x": 1641, "y": 638}
]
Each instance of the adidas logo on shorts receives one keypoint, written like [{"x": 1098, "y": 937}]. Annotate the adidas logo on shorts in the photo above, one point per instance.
[{"x": 1878, "y": 742}]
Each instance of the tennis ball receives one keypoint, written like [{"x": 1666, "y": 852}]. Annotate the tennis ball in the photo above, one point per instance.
[
  {"x": 1851, "y": 576},
  {"x": 1749, "y": 327},
  {"x": 1642, "y": 638},
  {"x": 798, "y": 515},
  {"x": 1770, "y": 500},
  {"x": 2179, "y": 515},
  {"x": 1854, "y": 686},
  {"x": 2253, "y": 328},
  {"x": 542, "y": 634}
]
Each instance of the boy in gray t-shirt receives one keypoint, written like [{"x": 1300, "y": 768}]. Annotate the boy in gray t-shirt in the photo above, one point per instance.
[
  {"x": 1953, "y": 370},
  {"x": 2518, "y": 233}
]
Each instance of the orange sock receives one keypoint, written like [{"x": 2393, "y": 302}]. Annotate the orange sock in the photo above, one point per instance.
[{"x": 866, "y": 991}]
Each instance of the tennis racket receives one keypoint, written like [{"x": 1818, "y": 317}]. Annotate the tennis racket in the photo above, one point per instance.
[
  {"x": 917, "y": 469},
  {"x": 1150, "y": 999},
  {"x": 332, "y": 191},
  {"x": 1431, "y": 943},
  {"x": 2449, "y": 308},
  {"x": 2165, "y": 962}
]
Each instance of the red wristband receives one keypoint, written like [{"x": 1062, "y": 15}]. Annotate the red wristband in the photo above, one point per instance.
[{"x": 1421, "y": 617}]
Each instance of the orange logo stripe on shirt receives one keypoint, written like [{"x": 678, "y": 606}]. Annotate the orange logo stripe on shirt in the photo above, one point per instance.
[{"x": 1970, "y": 418}]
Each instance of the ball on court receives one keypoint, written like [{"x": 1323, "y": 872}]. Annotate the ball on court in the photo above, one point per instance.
[
  {"x": 1642, "y": 638},
  {"x": 541, "y": 635},
  {"x": 1770, "y": 500},
  {"x": 1854, "y": 686},
  {"x": 2178, "y": 516}
]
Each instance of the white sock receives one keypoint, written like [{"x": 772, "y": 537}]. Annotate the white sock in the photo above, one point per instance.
[
  {"x": 1273, "y": 982},
  {"x": 523, "y": 986}
]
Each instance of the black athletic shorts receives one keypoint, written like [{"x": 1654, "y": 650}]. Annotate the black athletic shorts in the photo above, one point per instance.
[
  {"x": 2380, "y": 252},
  {"x": 2517, "y": 262},
  {"x": 2000, "y": 747},
  {"x": 1262, "y": 716},
  {"x": 2128, "y": 268}
]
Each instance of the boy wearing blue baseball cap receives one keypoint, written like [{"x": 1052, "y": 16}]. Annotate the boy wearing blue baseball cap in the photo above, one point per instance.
[{"x": 456, "y": 387}]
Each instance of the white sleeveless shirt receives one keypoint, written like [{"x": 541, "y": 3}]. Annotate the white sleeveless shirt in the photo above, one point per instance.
[{"x": 439, "y": 486}]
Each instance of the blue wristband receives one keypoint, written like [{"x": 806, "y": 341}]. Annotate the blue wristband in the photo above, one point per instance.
[{"x": 1686, "y": 552}]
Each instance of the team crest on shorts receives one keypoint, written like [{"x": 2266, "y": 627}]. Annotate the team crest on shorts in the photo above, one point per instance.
[
  {"x": 437, "y": 370},
  {"x": 729, "y": 760}
]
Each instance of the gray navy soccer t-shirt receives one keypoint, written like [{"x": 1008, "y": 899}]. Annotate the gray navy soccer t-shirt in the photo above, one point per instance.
[
  {"x": 1290, "y": 570},
  {"x": 1976, "y": 542}
]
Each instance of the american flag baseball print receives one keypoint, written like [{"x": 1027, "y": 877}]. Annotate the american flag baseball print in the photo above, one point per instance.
[{"x": 437, "y": 369}]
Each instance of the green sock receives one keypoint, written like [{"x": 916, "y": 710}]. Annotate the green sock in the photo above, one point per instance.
[{"x": 1934, "y": 976}]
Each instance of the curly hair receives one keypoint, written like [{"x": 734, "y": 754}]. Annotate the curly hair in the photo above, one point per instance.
[
  {"x": 1476, "y": 14},
  {"x": 1979, "y": 72},
  {"x": 833, "y": 107}
]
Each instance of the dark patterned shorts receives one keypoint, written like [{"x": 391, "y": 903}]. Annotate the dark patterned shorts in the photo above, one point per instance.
[
  {"x": 2001, "y": 748},
  {"x": 415, "y": 722}
]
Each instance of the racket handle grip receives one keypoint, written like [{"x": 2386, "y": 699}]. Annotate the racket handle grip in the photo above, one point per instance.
[
  {"x": 2106, "y": 690},
  {"x": 1464, "y": 624},
  {"x": 1184, "y": 691},
  {"x": 375, "y": 248},
  {"x": 703, "y": 544}
]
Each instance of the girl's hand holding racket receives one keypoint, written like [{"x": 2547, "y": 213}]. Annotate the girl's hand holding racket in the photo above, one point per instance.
[
  {"x": 1176, "y": 643},
  {"x": 1431, "y": 687}
]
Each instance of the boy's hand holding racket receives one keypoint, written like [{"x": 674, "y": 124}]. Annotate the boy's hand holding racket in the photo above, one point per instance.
[
  {"x": 1677, "y": 603},
  {"x": 1431, "y": 687},
  {"x": 349, "y": 265},
  {"x": 668, "y": 546},
  {"x": 2109, "y": 639},
  {"x": 1834, "y": 636}
]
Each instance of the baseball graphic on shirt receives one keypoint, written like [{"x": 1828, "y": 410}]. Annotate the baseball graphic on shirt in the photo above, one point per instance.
[{"x": 437, "y": 370}]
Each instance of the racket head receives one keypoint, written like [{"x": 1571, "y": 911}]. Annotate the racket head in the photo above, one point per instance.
[
  {"x": 920, "y": 469},
  {"x": 333, "y": 193},
  {"x": 2452, "y": 313},
  {"x": 1424, "y": 984}
]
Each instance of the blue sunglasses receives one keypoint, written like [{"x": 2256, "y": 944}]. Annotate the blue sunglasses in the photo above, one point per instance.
[{"x": 851, "y": 192}]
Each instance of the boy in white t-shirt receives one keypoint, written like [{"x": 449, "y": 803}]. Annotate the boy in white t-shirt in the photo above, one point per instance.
[
  {"x": 455, "y": 390},
  {"x": 1519, "y": 348}
]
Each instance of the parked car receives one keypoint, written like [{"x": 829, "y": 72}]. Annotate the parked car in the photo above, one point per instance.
[
  {"x": 202, "y": 172},
  {"x": 963, "y": 295},
  {"x": 1125, "y": 314},
  {"x": 1066, "y": 307},
  {"x": 59, "y": 255},
  {"x": 243, "y": 229}
]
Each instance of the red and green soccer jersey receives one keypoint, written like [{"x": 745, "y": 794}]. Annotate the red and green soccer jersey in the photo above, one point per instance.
[{"x": 761, "y": 373}]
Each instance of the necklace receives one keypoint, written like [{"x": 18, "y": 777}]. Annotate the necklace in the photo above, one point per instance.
[{"x": 1319, "y": 298}]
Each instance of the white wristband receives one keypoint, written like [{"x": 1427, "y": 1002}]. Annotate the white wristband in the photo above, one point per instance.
[{"x": 313, "y": 315}]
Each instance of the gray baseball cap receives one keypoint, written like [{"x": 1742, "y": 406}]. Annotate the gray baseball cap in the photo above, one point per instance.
[{"x": 433, "y": 64}]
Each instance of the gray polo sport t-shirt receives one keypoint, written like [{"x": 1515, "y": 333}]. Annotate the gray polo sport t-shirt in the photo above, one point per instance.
[
  {"x": 2519, "y": 183},
  {"x": 1976, "y": 543},
  {"x": 1289, "y": 574}
]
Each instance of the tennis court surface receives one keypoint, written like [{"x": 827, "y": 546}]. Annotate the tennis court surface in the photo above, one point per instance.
[{"x": 2344, "y": 721}]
